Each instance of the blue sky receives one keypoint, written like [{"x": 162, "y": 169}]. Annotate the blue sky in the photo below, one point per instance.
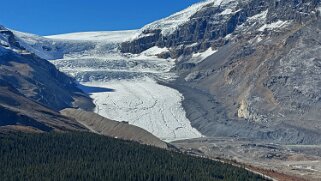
[{"x": 47, "y": 17}]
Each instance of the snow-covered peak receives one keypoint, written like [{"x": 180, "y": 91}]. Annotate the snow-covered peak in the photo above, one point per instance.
[
  {"x": 274, "y": 26},
  {"x": 170, "y": 24}
]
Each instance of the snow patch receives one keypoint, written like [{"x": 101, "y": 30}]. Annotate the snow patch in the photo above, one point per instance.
[
  {"x": 192, "y": 45},
  {"x": 261, "y": 16},
  {"x": 273, "y": 26},
  {"x": 227, "y": 11},
  {"x": 155, "y": 51},
  {"x": 200, "y": 56}
]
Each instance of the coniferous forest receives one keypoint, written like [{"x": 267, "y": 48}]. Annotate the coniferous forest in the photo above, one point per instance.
[{"x": 86, "y": 156}]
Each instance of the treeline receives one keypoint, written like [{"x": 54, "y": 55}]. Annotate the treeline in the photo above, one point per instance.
[{"x": 86, "y": 156}]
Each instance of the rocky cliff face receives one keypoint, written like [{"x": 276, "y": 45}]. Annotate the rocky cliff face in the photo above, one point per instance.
[{"x": 211, "y": 22}]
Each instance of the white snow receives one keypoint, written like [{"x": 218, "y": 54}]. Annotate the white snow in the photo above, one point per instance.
[
  {"x": 192, "y": 45},
  {"x": 200, "y": 56},
  {"x": 260, "y": 17},
  {"x": 151, "y": 54},
  {"x": 155, "y": 51},
  {"x": 144, "y": 103},
  {"x": 275, "y": 25},
  {"x": 74, "y": 44},
  {"x": 227, "y": 11},
  {"x": 110, "y": 36}
]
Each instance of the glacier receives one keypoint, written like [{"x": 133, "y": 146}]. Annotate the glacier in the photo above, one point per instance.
[{"x": 124, "y": 87}]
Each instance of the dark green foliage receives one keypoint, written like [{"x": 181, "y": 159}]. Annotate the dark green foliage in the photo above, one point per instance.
[{"x": 85, "y": 156}]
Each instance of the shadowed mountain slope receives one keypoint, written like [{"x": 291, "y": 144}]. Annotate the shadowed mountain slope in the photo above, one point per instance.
[{"x": 32, "y": 90}]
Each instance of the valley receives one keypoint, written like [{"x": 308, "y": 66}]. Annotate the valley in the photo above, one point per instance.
[{"x": 228, "y": 80}]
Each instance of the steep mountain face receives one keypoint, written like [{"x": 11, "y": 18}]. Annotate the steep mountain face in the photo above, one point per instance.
[
  {"x": 35, "y": 77},
  {"x": 32, "y": 89},
  {"x": 208, "y": 23},
  {"x": 261, "y": 82}
]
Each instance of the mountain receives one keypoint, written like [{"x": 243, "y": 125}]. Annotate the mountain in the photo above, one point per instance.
[
  {"x": 32, "y": 90},
  {"x": 229, "y": 79},
  {"x": 214, "y": 23},
  {"x": 261, "y": 81},
  {"x": 245, "y": 68}
]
